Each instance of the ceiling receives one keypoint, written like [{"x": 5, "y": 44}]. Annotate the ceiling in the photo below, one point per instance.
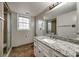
[{"x": 34, "y": 8}]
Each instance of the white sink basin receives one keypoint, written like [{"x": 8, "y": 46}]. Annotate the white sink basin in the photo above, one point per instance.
[{"x": 51, "y": 41}]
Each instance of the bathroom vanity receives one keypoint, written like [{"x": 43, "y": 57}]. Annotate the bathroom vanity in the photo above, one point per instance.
[
  {"x": 48, "y": 47},
  {"x": 62, "y": 21}
]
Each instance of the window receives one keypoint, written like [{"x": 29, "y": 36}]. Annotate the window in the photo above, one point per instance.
[{"x": 23, "y": 23}]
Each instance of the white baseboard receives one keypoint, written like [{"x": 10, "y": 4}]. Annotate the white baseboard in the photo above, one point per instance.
[
  {"x": 21, "y": 44},
  {"x": 9, "y": 52}
]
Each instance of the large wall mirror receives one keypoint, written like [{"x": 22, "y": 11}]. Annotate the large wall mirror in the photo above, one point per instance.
[{"x": 62, "y": 20}]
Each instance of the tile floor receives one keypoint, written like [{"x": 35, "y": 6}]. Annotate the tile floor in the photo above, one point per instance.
[{"x": 23, "y": 51}]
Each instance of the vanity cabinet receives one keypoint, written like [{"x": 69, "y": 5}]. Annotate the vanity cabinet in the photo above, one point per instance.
[
  {"x": 42, "y": 50},
  {"x": 37, "y": 50}
]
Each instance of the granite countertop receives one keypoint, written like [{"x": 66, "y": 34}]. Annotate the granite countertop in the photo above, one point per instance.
[{"x": 64, "y": 47}]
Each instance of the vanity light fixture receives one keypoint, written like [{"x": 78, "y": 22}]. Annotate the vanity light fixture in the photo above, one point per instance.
[{"x": 54, "y": 5}]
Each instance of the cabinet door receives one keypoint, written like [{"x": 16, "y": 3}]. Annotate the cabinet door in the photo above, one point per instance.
[
  {"x": 40, "y": 52},
  {"x": 35, "y": 42},
  {"x": 45, "y": 50}
]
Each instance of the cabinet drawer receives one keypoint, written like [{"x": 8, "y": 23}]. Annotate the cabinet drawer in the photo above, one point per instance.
[
  {"x": 42, "y": 45},
  {"x": 35, "y": 42},
  {"x": 45, "y": 49}
]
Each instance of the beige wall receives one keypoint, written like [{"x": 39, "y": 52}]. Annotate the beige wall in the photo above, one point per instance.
[{"x": 21, "y": 37}]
